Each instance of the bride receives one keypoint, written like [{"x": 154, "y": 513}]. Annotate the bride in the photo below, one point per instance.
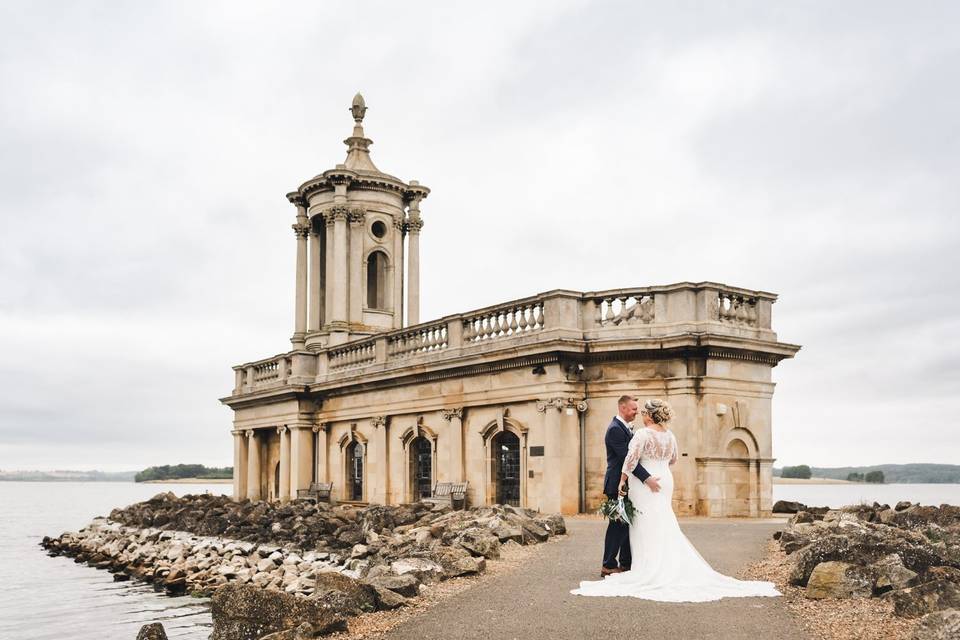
[{"x": 666, "y": 567}]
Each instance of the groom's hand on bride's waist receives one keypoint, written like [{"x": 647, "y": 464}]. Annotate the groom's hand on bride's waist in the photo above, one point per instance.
[{"x": 653, "y": 483}]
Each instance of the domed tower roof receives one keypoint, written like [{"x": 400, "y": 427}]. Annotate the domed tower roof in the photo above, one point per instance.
[{"x": 358, "y": 168}]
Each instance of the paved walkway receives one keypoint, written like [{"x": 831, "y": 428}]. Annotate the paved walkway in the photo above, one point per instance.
[{"x": 534, "y": 601}]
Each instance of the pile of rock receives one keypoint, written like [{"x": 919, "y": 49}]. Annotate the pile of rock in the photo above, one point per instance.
[
  {"x": 339, "y": 560},
  {"x": 908, "y": 553}
]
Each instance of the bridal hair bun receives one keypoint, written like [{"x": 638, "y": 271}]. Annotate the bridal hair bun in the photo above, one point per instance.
[{"x": 658, "y": 410}]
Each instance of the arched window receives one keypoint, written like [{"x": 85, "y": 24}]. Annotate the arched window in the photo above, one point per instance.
[
  {"x": 421, "y": 468},
  {"x": 377, "y": 281},
  {"x": 506, "y": 467}
]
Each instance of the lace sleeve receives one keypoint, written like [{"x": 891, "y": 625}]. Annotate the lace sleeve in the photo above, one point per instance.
[
  {"x": 675, "y": 447},
  {"x": 634, "y": 452}
]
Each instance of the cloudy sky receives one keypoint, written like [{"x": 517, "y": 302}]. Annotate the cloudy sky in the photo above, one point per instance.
[{"x": 810, "y": 149}]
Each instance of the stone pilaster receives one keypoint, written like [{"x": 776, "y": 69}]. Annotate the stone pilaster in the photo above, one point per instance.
[
  {"x": 283, "y": 490},
  {"x": 379, "y": 477},
  {"x": 398, "y": 262},
  {"x": 356, "y": 299},
  {"x": 253, "y": 466},
  {"x": 301, "y": 457},
  {"x": 328, "y": 268},
  {"x": 455, "y": 430},
  {"x": 239, "y": 465},
  {"x": 323, "y": 454}
]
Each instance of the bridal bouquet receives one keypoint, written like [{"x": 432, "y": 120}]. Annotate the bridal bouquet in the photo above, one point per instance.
[{"x": 618, "y": 510}]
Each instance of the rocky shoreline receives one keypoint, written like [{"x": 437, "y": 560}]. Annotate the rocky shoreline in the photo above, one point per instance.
[
  {"x": 272, "y": 568},
  {"x": 908, "y": 556}
]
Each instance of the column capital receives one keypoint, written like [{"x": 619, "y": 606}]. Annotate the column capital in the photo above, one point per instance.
[
  {"x": 323, "y": 426},
  {"x": 301, "y": 229},
  {"x": 356, "y": 216},
  {"x": 556, "y": 403},
  {"x": 336, "y": 213},
  {"x": 250, "y": 433},
  {"x": 450, "y": 414},
  {"x": 579, "y": 405},
  {"x": 414, "y": 225},
  {"x": 378, "y": 421},
  {"x": 282, "y": 429}
]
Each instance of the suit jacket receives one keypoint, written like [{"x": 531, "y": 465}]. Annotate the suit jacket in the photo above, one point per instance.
[{"x": 618, "y": 441}]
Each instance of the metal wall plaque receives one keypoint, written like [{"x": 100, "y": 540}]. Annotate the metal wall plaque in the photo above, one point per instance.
[{"x": 536, "y": 452}]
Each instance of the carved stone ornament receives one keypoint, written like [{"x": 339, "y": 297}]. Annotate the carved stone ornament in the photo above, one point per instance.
[
  {"x": 378, "y": 421},
  {"x": 414, "y": 225},
  {"x": 335, "y": 213},
  {"x": 301, "y": 229},
  {"x": 357, "y": 216},
  {"x": 450, "y": 414},
  {"x": 579, "y": 405},
  {"x": 556, "y": 403}
]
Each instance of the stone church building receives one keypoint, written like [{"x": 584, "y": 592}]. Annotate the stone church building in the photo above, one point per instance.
[{"x": 513, "y": 399}]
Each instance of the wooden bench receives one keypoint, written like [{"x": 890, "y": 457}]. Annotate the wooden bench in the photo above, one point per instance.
[
  {"x": 451, "y": 493},
  {"x": 318, "y": 491}
]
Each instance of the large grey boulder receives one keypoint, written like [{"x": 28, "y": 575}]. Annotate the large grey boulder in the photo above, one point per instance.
[
  {"x": 890, "y": 574},
  {"x": 406, "y": 585},
  {"x": 422, "y": 569},
  {"x": 242, "y": 612},
  {"x": 940, "y": 625},
  {"x": 839, "y": 580},
  {"x": 925, "y": 598}
]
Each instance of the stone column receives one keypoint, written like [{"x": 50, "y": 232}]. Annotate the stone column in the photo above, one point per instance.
[
  {"x": 283, "y": 491},
  {"x": 300, "y": 458},
  {"x": 414, "y": 225},
  {"x": 455, "y": 418},
  {"x": 328, "y": 268},
  {"x": 380, "y": 487},
  {"x": 356, "y": 298},
  {"x": 398, "y": 263},
  {"x": 253, "y": 466},
  {"x": 301, "y": 229},
  {"x": 322, "y": 431},
  {"x": 239, "y": 465},
  {"x": 316, "y": 288},
  {"x": 340, "y": 264}
]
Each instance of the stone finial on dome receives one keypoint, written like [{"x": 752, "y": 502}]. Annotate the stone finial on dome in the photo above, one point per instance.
[
  {"x": 358, "y": 144},
  {"x": 358, "y": 108}
]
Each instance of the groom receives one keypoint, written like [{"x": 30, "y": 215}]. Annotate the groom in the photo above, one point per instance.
[{"x": 617, "y": 541}]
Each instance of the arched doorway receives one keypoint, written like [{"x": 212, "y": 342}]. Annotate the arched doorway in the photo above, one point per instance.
[
  {"x": 355, "y": 471},
  {"x": 421, "y": 468},
  {"x": 506, "y": 467}
]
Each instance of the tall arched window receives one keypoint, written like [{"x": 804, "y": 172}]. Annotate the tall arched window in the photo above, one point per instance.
[{"x": 377, "y": 281}]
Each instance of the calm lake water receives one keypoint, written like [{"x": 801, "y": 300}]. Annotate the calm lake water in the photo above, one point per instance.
[{"x": 54, "y": 598}]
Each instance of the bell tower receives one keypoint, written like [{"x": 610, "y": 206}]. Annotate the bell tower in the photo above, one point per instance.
[{"x": 357, "y": 229}]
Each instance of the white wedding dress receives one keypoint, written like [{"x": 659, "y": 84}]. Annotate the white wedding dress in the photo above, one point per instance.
[{"x": 666, "y": 567}]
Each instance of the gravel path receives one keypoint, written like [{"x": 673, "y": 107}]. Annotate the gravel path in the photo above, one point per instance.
[{"x": 533, "y": 600}]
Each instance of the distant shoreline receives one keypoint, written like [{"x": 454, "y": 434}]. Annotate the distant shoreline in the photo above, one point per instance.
[
  {"x": 190, "y": 481},
  {"x": 777, "y": 480}
]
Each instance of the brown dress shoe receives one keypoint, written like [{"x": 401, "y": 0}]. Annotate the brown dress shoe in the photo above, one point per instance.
[{"x": 605, "y": 571}]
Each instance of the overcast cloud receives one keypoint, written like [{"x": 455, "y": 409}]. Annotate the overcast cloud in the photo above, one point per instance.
[{"x": 809, "y": 149}]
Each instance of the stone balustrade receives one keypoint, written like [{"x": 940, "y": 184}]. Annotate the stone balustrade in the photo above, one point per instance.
[{"x": 598, "y": 317}]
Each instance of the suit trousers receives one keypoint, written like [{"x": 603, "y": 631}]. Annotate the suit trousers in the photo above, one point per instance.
[{"x": 617, "y": 543}]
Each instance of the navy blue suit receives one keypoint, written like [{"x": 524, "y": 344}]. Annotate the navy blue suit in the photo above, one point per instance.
[{"x": 617, "y": 540}]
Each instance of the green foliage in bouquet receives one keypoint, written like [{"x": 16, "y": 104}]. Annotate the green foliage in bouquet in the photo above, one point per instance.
[{"x": 618, "y": 510}]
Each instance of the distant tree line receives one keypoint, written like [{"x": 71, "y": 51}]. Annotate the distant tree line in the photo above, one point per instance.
[
  {"x": 799, "y": 471},
  {"x": 875, "y": 477},
  {"x": 881, "y": 473},
  {"x": 178, "y": 471}
]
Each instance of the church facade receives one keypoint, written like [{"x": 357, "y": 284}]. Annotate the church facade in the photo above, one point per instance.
[{"x": 513, "y": 399}]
